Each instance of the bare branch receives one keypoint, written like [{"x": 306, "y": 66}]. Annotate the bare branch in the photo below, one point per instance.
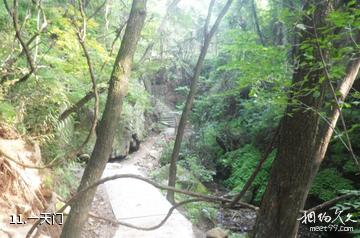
[
  {"x": 55, "y": 162},
  {"x": 202, "y": 197},
  {"x": 25, "y": 49},
  {"x": 332, "y": 202},
  {"x": 160, "y": 32},
  {"x": 169, "y": 9},
  {"x": 162, "y": 222},
  {"x": 8, "y": 157},
  {"x": 81, "y": 39},
  {"x": 190, "y": 99},
  {"x": 257, "y": 24},
  {"x": 39, "y": 27},
  {"x": 257, "y": 168},
  {"x": 90, "y": 95},
  {"x": 219, "y": 18},
  {"x": 118, "y": 33},
  {"x": 208, "y": 18},
  {"x": 22, "y": 43},
  {"x": 81, "y": 33},
  {"x": 97, "y": 10},
  {"x": 143, "y": 57},
  {"x": 343, "y": 88},
  {"x": 12, "y": 60},
  {"x": 7, "y": 7}
]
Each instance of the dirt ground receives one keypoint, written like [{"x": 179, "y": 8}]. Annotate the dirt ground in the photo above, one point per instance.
[{"x": 101, "y": 207}]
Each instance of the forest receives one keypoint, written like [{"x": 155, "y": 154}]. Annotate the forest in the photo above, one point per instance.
[{"x": 179, "y": 118}]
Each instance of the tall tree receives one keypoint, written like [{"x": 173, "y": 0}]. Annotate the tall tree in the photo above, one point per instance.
[
  {"x": 304, "y": 137},
  {"x": 190, "y": 98},
  {"x": 257, "y": 23},
  {"x": 118, "y": 89}
]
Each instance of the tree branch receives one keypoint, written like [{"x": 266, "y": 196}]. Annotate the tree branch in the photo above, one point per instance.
[
  {"x": 219, "y": 18},
  {"x": 18, "y": 36},
  {"x": 118, "y": 33},
  {"x": 8, "y": 157},
  {"x": 7, "y": 8},
  {"x": 257, "y": 24},
  {"x": 331, "y": 202},
  {"x": 190, "y": 99},
  {"x": 344, "y": 87},
  {"x": 162, "y": 222},
  {"x": 200, "y": 197},
  {"x": 90, "y": 95},
  {"x": 257, "y": 168},
  {"x": 208, "y": 18},
  {"x": 81, "y": 39},
  {"x": 97, "y": 10},
  {"x": 160, "y": 31}
]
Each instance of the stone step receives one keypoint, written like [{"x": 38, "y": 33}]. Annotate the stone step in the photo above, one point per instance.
[
  {"x": 167, "y": 116},
  {"x": 168, "y": 124},
  {"x": 168, "y": 119},
  {"x": 172, "y": 119}
]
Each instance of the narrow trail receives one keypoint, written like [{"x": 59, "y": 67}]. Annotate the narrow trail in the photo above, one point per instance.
[{"x": 137, "y": 202}]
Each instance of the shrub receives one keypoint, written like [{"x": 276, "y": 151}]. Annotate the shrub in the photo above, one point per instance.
[
  {"x": 193, "y": 164},
  {"x": 166, "y": 154},
  {"x": 242, "y": 163},
  {"x": 328, "y": 183}
]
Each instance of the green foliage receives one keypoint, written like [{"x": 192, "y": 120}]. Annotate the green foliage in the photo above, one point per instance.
[
  {"x": 185, "y": 179},
  {"x": 200, "y": 211},
  {"x": 7, "y": 112},
  {"x": 138, "y": 95},
  {"x": 166, "y": 154},
  {"x": 341, "y": 158},
  {"x": 63, "y": 136},
  {"x": 242, "y": 163},
  {"x": 65, "y": 180},
  {"x": 193, "y": 164},
  {"x": 39, "y": 105},
  {"x": 244, "y": 96},
  {"x": 188, "y": 161},
  {"x": 255, "y": 62},
  {"x": 328, "y": 183},
  {"x": 243, "y": 89},
  {"x": 61, "y": 180},
  {"x": 351, "y": 207},
  {"x": 136, "y": 104},
  {"x": 183, "y": 90}
]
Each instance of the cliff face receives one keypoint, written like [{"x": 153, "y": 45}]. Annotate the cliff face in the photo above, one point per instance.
[{"x": 21, "y": 193}]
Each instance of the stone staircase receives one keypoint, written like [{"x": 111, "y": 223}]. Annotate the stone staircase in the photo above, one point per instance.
[{"x": 168, "y": 117}]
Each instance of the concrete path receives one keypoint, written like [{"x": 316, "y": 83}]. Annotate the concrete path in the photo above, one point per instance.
[{"x": 141, "y": 204}]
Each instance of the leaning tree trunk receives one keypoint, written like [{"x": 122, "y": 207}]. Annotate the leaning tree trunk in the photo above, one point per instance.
[
  {"x": 106, "y": 131},
  {"x": 303, "y": 137},
  {"x": 190, "y": 98}
]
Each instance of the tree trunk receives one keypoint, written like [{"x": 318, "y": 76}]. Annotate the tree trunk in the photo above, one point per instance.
[
  {"x": 257, "y": 24},
  {"x": 303, "y": 140},
  {"x": 190, "y": 98},
  {"x": 105, "y": 133}
]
